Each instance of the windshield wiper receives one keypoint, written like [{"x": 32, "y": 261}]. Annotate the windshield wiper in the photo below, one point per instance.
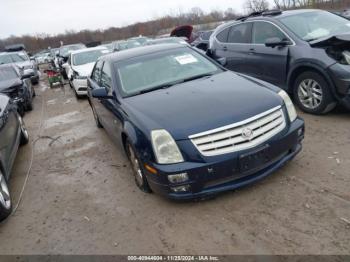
[
  {"x": 167, "y": 85},
  {"x": 163, "y": 86}
]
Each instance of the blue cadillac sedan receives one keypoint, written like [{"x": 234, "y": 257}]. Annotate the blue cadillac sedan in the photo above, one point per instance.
[{"x": 190, "y": 127}]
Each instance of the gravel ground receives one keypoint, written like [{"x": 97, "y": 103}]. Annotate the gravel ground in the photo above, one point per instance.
[{"x": 81, "y": 199}]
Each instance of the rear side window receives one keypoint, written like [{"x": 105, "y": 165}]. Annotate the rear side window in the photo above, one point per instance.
[
  {"x": 223, "y": 35},
  {"x": 264, "y": 30},
  {"x": 240, "y": 34},
  {"x": 96, "y": 74}
]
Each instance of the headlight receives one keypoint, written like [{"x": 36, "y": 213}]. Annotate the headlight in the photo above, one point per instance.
[
  {"x": 165, "y": 148},
  {"x": 289, "y": 105},
  {"x": 77, "y": 76}
]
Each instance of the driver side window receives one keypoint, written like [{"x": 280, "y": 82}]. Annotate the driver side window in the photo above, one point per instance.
[
  {"x": 96, "y": 74},
  {"x": 106, "y": 77},
  {"x": 264, "y": 30}
]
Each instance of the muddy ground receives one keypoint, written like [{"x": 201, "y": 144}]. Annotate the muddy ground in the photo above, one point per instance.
[{"x": 81, "y": 199}]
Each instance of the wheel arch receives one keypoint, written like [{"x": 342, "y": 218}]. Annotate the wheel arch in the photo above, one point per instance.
[{"x": 299, "y": 69}]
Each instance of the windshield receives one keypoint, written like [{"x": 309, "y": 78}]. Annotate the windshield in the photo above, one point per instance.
[
  {"x": 161, "y": 69},
  {"x": 7, "y": 73},
  {"x": 317, "y": 24},
  {"x": 64, "y": 51},
  {"x": 88, "y": 57},
  {"x": 13, "y": 58}
]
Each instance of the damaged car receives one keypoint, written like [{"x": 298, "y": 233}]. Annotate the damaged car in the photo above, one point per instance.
[
  {"x": 190, "y": 127},
  {"x": 17, "y": 86},
  {"x": 305, "y": 52},
  {"x": 12, "y": 134}
]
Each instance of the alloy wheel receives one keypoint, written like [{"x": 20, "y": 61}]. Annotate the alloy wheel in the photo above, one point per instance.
[
  {"x": 310, "y": 93},
  {"x": 5, "y": 199},
  {"x": 135, "y": 166}
]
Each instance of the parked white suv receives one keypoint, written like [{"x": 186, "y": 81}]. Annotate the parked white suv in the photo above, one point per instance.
[{"x": 79, "y": 66}]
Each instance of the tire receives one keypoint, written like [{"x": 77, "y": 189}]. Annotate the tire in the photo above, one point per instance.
[
  {"x": 24, "y": 131},
  {"x": 35, "y": 81},
  {"x": 312, "y": 93},
  {"x": 137, "y": 168},
  {"x": 29, "y": 105},
  {"x": 70, "y": 84},
  {"x": 5, "y": 198},
  {"x": 97, "y": 120}
]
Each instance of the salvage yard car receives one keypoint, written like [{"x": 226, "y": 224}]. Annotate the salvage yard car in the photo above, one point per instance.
[
  {"x": 306, "y": 52},
  {"x": 17, "y": 86},
  {"x": 190, "y": 127},
  {"x": 80, "y": 65},
  {"x": 22, "y": 60},
  {"x": 12, "y": 133},
  {"x": 63, "y": 54}
]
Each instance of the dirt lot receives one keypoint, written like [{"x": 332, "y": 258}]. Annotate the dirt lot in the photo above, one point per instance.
[{"x": 81, "y": 199}]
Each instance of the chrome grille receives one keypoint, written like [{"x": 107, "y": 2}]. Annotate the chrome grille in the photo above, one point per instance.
[{"x": 242, "y": 135}]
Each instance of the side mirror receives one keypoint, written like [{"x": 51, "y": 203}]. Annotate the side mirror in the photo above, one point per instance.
[
  {"x": 222, "y": 61},
  {"x": 275, "y": 41},
  {"x": 100, "y": 93}
]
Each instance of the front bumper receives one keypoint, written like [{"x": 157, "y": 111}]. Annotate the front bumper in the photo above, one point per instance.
[
  {"x": 340, "y": 75},
  {"x": 210, "y": 178},
  {"x": 80, "y": 86}
]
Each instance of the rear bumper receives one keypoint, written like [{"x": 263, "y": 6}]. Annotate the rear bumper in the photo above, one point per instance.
[{"x": 206, "y": 179}]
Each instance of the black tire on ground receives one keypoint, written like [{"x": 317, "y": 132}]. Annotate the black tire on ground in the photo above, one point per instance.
[
  {"x": 24, "y": 132},
  {"x": 139, "y": 174},
  {"x": 5, "y": 210},
  {"x": 64, "y": 74},
  {"x": 70, "y": 84},
  {"x": 327, "y": 103},
  {"x": 29, "y": 105},
  {"x": 97, "y": 120},
  {"x": 35, "y": 81}
]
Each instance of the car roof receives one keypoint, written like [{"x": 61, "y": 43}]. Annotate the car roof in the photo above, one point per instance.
[
  {"x": 88, "y": 49},
  {"x": 140, "y": 51}
]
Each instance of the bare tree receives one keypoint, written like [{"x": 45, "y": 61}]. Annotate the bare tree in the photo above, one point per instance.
[{"x": 256, "y": 5}]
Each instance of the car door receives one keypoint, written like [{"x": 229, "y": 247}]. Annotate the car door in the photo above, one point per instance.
[
  {"x": 110, "y": 112},
  {"x": 270, "y": 63},
  {"x": 236, "y": 49},
  {"x": 94, "y": 82}
]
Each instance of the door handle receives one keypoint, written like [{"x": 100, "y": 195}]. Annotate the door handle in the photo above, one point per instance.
[
  {"x": 224, "y": 48},
  {"x": 251, "y": 51}
]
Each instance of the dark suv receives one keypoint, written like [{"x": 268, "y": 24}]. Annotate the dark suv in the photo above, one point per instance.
[{"x": 306, "y": 52}]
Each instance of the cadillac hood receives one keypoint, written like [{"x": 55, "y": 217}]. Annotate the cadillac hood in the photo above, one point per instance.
[{"x": 201, "y": 105}]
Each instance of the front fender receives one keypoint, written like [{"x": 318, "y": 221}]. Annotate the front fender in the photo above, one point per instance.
[{"x": 139, "y": 140}]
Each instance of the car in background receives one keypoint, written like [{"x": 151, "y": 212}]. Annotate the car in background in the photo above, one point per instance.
[
  {"x": 80, "y": 65},
  {"x": 17, "y": 86},
  {"x": 202, "y": 41},
  {"x": 22, "y": 60},
  {"x": 109, "y": 46},
  {"x": 305, "y": 52},
  {"x": 12, "y": 134},
  {"x": 63, "y": 54},
  {"x": 166, "y": 40},
  {"x": 140, "y": 39},
  {"x": 123, "y": 45},
  {"x": 190, "y": 127},
  {"x": 42, "y": 58}
]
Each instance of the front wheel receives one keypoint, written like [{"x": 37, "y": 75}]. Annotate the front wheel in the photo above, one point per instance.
[
  {"x": 136, "y": 164},
  {"x": 312, "y": 94},
  {"x": 5, "y": 198}
]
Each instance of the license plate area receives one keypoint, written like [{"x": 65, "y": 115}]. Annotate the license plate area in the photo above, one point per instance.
[{"x": 254, "y": 159}]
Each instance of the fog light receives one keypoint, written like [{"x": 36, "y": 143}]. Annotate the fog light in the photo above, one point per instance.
[
  {"x": 181, "y": 189},
  {"x": 178, "y": 178}
]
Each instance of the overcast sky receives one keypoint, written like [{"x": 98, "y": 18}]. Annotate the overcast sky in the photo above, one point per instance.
[{"x": 20, "y": 17}]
